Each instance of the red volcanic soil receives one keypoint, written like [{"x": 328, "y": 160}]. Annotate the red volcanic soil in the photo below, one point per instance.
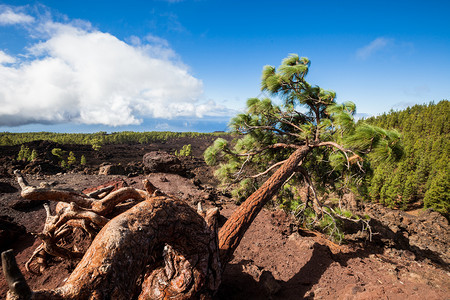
[{"x": 275, "y": 260}]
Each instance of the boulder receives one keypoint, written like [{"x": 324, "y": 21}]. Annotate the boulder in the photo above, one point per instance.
[
  {"x": 162, "y": 162},
  {"x": 42, "y": 166},
  {"x": 111, "y": 170}
]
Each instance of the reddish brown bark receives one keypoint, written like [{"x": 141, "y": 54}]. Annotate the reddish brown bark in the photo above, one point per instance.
[{"x": 234, "y": 229}]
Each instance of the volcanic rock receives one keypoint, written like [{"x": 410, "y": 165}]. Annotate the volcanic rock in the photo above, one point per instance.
[
  {"x": 9, "y": 232},
  {"x": 157, "y": 161},
  {"x": 111, "y": 170}
]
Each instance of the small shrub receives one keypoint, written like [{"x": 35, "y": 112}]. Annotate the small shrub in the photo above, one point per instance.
[
  {"x": 185, "y": 151},
  {"x": 24, "y": 153},
  {"x": 58, "y": 152},
  {"x": 34, "y": 154},
  {"x": 71, "y": 159},
  {"x": 21, "y": 153},
  {"x": 96, "y": 144}
]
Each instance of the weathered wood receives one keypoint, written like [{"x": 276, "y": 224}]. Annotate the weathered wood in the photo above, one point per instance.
[
  {"x": 74, "y": 209},
  {"x": 96, "y": 194},
  {"x": 235, "y": 227},
  {"x": 100, "y": 206},
  {"x": 50, "y": 194},
  {"x": 159, "y": 249},
  {"x": 18, "y": 287}
]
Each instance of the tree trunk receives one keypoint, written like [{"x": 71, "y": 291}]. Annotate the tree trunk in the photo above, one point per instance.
[{"x": 234, "y": 229}]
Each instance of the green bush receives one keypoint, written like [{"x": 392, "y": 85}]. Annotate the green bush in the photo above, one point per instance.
[
  {"x": 34, "y": 154},
  {"x": 71, "y": 159},
  {"x": 185, "y": 151},
  {"x": 58, "y": 152},
  {"x": 24, "y": 153}
]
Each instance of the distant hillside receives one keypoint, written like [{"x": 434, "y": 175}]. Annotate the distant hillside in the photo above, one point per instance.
[
  {"x": 98, "y": 138},
  {"x": 423, "y": 174}
]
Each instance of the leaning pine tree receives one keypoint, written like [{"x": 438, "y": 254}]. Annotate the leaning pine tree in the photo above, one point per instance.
[{"x": 308, "y": 138}]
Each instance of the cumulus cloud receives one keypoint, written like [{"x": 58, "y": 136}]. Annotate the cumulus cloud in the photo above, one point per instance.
[
  {"x": 10, "y": 17},
  {"x": 82, "y": 75},
  {"x": 5, "y": 58},
  {"x": 373, "y": 47}
]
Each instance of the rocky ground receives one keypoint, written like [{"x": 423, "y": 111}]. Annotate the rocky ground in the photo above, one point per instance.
[{"x": 408, "y": 257}]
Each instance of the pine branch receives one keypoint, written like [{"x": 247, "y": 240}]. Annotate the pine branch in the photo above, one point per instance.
[
  {"x": 271, "y": 128},
  {"x": 274, "y": 146},
  {"x": 269, "y": 169},
  {"x": 336, "y": 145},
  {"x": 291, "y": 124}
]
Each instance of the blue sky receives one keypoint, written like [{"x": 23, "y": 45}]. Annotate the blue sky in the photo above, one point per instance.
[{"x": 84, "y": 66}]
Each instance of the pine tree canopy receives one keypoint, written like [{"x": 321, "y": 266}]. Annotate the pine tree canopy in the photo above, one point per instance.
[{"x": 308, "y": 116}]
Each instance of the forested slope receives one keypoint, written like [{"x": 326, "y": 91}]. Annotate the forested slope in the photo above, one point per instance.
[
  {"x": 98, "y": 138},
  {"x": 423, "y": 174}
]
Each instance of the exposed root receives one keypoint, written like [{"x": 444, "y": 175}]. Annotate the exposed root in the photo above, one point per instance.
[
  {"x": 74, "y": 210},
  {"x": 38, "y": 258},
  {"x": 159, "y": 249}
]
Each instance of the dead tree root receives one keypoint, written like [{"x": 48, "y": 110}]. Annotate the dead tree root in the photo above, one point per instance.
[{"x": 161, "y": 248}]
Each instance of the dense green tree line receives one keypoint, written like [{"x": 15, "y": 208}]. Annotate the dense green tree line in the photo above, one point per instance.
[
  {"x": 97, "y": 139},
  {"x": 423, "y": 173}
]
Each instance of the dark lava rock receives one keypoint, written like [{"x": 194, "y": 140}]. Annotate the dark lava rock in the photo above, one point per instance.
[
  {"x": 426, "y": 235},
  {"x": 7, "y": 188},
  {"x": 111, "y": 170},
  {"x": 26, "y": 205},
  {"x": 269, "y": 282},
  {"x": 9, "y": 232},
  {"x": 134, "y": 168},
  {"x": 42, "y": 166},
  {"x": 156, "y": 162}
]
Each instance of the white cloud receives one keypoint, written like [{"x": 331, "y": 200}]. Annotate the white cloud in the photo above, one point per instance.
[
  {"x": 82, "y": 75},
  {"x": 5, "y": 58},
  {"x": 9, "y": 17},
  {"x": 373, "y": 47}
]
